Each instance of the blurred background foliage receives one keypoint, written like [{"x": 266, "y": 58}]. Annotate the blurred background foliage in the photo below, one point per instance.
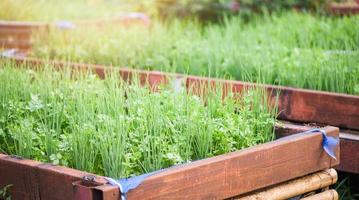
[
  {"x": 215, "y": 9},
  {"x": 49, "y": 10}
]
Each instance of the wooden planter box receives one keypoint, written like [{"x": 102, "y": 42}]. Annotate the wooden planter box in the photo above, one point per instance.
[
  {"x": 18, "y": 34},
  {"x": 349, "y": 8},
  {"x": 219, "y": 177},
  {"x": 311, "y": 107}
]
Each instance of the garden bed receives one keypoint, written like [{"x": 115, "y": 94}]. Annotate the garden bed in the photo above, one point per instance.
[
  {"x": 296, "y": 105},
  {"x": 345, "y": 8},
  {"x": 18, "y": 34},
  {"x": 315, "y": 52},
  {"x": 222, "y": 176},
  {"x": 218, "y": 177}
]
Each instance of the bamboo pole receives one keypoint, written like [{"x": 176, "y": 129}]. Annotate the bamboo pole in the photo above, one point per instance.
[
  {"x": 296, "y": 187},
  {"x": 326, "y": 195}
]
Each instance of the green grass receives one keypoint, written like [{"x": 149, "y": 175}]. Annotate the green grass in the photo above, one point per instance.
[
  {"x": 292, "y": 49},
  {"x": 345, "y": 189},
  {"x": 4, "y": 192},
  {"x": 52, "y": 10},
  {"x": 117, "y": 129}
]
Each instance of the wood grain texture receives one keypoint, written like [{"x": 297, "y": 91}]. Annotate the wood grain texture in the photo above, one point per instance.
[
  {"x": 21, "y": 175},
  {"x": 349, "y": 144},
  {"x": 320, "y": 107},
  {"x": 34, "y": 180}
]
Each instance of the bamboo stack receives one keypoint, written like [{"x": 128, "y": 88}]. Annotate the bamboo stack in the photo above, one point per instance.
[
  {"x": 303, "y": 187},
  {"x": 326, "y": 195}
]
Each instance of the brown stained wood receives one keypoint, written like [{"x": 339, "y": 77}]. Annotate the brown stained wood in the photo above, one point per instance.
[
  {"x": 20, "y": 174},
  {"x": 52, "y": 177},
  {"x": 19, "y": 24},
  {"x": 17, "y": 35},
  {"x": 320, "y": 107},
  {"x": 301, "y": 105},
  {"x": 349, "y": 153},
  {"x": 345, "y": 10},
  {"x": 350, "y": 8},
  {"x": 107, "y": 192},
  {"x": 240, "y": 172},
  {"x": 15, "y": 38},
  {"x": 349, "y": 143},
  {"x": 36, "y": 180},
  {"x": 14, "y": 43}
]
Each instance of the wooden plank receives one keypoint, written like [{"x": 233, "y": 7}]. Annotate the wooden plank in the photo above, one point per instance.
[
  {"x": 301, "y": 105},
  {"x": 52, "y": 177},
  {"x": 14, "y": 37},
  {"x": 11, "y": 41},
  {"x": 34, "y": 180},
  {"x": 240, "y": 172},
  {"x": 21, "y": 175},
  {"x": 20, "y": 24},
  {"x": 349, "y": 143},
  {"x": 314, "y": 106},
  {"x": 349, "y": 146},
  {"x": 14, "y": 31},
  {"x": 349, "y": 8},
  {"x": 15, "y": 44}
]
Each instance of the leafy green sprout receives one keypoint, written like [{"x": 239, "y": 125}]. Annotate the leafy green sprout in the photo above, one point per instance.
[{"x": 345, "y": 189}]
